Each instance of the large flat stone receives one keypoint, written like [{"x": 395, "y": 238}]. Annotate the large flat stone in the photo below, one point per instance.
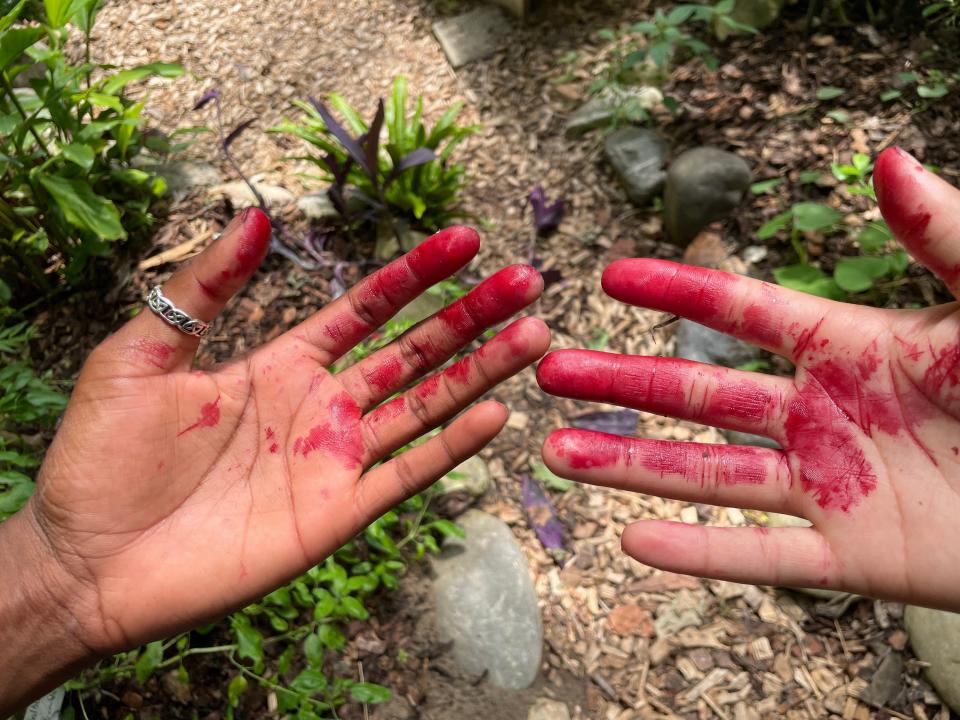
[
  {"x": 935, "y": 638},
  {"x": 472, "y": 36},
  {"x": 487, "y": 605}
]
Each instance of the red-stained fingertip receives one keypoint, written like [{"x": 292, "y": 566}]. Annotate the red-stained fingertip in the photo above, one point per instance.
[
  {"x": 444, "y": 252},
  {"x": 254, "y": 241},
  {"x": 577, "y": 374}
]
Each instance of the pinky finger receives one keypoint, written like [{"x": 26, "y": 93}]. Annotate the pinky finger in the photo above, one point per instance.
[
  {"x": 787, "y": 557},
  {"x": 416, "y": 469}
]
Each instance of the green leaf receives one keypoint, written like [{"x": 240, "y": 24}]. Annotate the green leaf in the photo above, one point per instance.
[
  {"x": 448, "y": 528},
  {"x": 309, "y": 682},
  {"x": 330, "y": 636},
  {"x": 148, "y": 661},
  {"x": 83, "y": 208},
  {"x": 79, "y": 154},
  {"x": 58, "y": 12},
  {"x": 908, "y": 77},
  {"x": 857, "y": 274},
  {"x": 808, "y": 177},
  {"x": 236, "y": 688},
  {"x": 249, "y": 639},
  {"x": 932, "y": 91},
  {"x": 369, "y": 693},
  {"x": 724, "y": 7},
  {"x": 890, "y": 95},
  {"x": 765, "y": 187},
  {"x": 8, "y": 19},
  {"x": 354, "y": 608},
  {"x": 812, "y": 217},
  {"x": 840, "y": 116},
  {"x": 874, "y": 237},
  {"x": 313, "y": 650},
  {"x": 5, "y": 293},
  {"x": 829, "y": 92},
  {"x": 548, "y": 478},
  {"x": 116, "y": 82},
  {"x": 14, "y": 42},
  {"x": 808, "y": 279},
  {"x": 774, "y": 225},
  {"x": 680, "y": 14}
]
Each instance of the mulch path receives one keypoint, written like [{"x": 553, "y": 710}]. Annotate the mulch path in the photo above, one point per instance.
[{"x": 634, "y": 642}]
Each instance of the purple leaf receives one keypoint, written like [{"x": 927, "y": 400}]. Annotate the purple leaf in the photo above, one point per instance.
[
  {"x": 206, "y": 98},
  {"x": 235, "y": 133},
  {"x": 546, "y": 215},
  {"x": 338, "y": 286},
  {"x": 343, "y": 137},
  {"x": 541, "y": 514},
  {"x": 617, "y": 422},
  {"x": 371, "y": 145},
  {"x": 412, "y": 159}
]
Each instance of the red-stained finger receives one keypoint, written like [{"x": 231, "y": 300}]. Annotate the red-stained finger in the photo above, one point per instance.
[
  {"x": 785, "y": 557},
  {"x": 780, "y": 320},
  {"x": 732, "y": 399},
  {"x": 922, "y": 210},
  {"x": 418, "y": 468},
  {"x": 148, "y": 345},
  {"x": 444, "y": 394},
  {"x": 727, "y": 475},
  {"x": 371, "y": 302},
  {"x": 433, "y": 342}
]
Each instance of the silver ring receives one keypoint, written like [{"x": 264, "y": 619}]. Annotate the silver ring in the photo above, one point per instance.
[{"x": 162, "y": 306}]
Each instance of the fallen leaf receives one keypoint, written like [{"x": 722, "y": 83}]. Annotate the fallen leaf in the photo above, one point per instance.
[{"x": 630, "y": 620}]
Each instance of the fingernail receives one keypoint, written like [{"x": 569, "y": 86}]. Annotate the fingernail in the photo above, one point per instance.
[{"x": 906, "y": 156}]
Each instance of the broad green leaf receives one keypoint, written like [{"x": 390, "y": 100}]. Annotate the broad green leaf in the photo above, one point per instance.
[
  {"x": 14, "y": 42},
  {"x": 680, "y": 14},
  {"x": 249, "y": 639},
  {"x": 840, "y": 116},
  {"x": 330, "y": 636},
  {"x": 932, "y": 91},
  {"x": 908, "y": 77},
  {"x": 890, "y": 95},
  {"x": 354, "y": 608},
  {"x": 151, "y": 656},
  {"x": 309, "y": 682},
  {"x": 369, "y": 693},
  {"x": 874, "y": 237},
  {"x": 79, "y": 154},
  {"x": 808, "y": 279},
  {"x": 5, "y": 293},
  {"x": 857, "y": 274},
  {"x": 764, "y": 187},
  {"x": 811, "y": 217},
  {"x": 58, "y": 12},
  {"x": 448, "y": 528},
  {"x": 724, "y": 7},
  {"x": 774, "y": 225},
  {"x": 83, "y": 208},
  {"x": 829, "y": 93},
  {"x": 313, "y": 650},
  {"x": 114, "y": 83},
  {"x": 11, "y": 16},
  {"x": 899, "y": 262}
]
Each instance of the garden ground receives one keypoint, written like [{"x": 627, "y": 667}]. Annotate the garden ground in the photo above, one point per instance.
[{"x": 743, "y": 651}]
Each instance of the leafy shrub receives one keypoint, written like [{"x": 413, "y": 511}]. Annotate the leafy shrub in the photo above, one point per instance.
[
  {"x": 645, "y": 52},
  {"x": 878, "y": 257},
  {"x": 68, "y": 186},
  {"x": 411, "y": 177},
  {"x": 28, "y": 403}
]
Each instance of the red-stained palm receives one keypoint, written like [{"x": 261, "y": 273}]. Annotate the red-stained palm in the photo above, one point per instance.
[
  {"x": 869, "y": 425},
  {"x": 173, "y": 496}
]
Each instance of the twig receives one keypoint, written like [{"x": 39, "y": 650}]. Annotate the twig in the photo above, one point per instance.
[
  {"x": 16, "y": 103},
  {"x": 366, "y": 712},
  {"x": 713, "y": 706},
  {"x": 843, "y": 642}
]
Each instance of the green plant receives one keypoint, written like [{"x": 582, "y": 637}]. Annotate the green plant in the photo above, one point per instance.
[
  {"x": 876, "y": 259},
  {"x": 28, "y": 403},
  {"x": 68, "y": 185},
  {"x": 411, "y": 177},
  {"x": 646, "y": 52},
  {"x": 927, "y": 86}
]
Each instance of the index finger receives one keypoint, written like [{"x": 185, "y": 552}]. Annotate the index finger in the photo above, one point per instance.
[
  {"x": 777, "y": 319},
  {"x": 371, "y": 302}
]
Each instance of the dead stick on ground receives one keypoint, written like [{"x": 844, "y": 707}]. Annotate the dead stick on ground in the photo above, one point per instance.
[
  {"x": 176, "y": 253},
  {"x": 713, "y": 706}
]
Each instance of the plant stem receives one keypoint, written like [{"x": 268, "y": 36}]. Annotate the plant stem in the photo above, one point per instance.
[{"x": 8, "y": 88}]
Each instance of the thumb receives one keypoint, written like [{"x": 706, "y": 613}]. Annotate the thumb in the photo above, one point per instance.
[
  {"x": 148, "y": 344},
  {"x": 922, "y": 210}
]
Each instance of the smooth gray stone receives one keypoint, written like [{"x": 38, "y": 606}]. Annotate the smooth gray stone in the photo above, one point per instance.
[
  {"x": 471, "y": 36},
  {"x": 935, "y": 638},
  {"x": 487, "y": 605},
  {"x": 755, "y": 13},
  {"x": 182, "y": 176},
  {"x": 741, "y": 438},
  {"x": 637, "y": 156},
  {"x": 600, "y": 110},
  {"x": 702, "y": 344},
  {"x": 886, "y": 682},
  {"x": 703, "y": 185}
]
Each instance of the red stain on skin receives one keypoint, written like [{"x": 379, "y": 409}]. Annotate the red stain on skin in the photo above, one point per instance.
[
  {"x": 586, "y": 450},
  {"x": 274, "y": 447},
  {"x": 492, "y": 301},
  {"x": 443, "y": 253},
  {"x": 338, "y": 436},
  {"x": 209, "y": 417},
  {"x": 459, "y": 371},
  {"x": 823, "y": 581},
  {"x": 945, "y": 369},
  {"x": 255, "y": 235},
  {"x": 387, "y": 375},
  {"x": 157, "y": 352},
  {"x": 428, "y": 388},
  {"x": 390, "y": 411},
  {"x": 269, "y": 432},
  {"x": 344, "y": 329},
  {"x": 161, "y": 464},
  {"x": 832, "y": 465},
  {"x": 898, "y": 180},
  {"x": 910, "y": 349},
  {"x": 955, "y": 450},
  {"x": 703, "y": 464}
]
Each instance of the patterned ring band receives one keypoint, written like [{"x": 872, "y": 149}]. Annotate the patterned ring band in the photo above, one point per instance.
[{"x": 162, "y": 306}]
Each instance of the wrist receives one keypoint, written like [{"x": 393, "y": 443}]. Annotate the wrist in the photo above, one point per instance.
[{"x": 42, "y": 608}]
